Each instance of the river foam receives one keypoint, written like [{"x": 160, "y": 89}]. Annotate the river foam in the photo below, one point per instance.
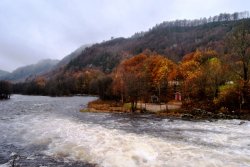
[{"x": 72, "y": 139}]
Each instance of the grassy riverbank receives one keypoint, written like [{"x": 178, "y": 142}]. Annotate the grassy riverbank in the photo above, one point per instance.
[{"x": 172, "y": 109}]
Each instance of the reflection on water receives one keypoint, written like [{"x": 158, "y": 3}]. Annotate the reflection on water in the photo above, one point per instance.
[{"x": 45, "y": 131}]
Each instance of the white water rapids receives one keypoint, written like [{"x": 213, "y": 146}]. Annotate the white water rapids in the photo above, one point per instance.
[{"x": 45, "y": 131}]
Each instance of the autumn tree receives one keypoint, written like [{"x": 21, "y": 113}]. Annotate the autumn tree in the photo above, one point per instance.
[
  {"x": 202, "y": 74},
  {"x": 131, "y": 77},
  {"x": 118, "y": 86},
  {"x": 141, "y": 76},
  {"x": 239, "y": 45},
  {"x": 159, "y": 69},
  {"x": 217, "y": 75}
]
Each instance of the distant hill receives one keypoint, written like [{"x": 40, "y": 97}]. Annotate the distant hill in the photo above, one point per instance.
[
  {"x": 22, "y": 73},
  {"x": 171, "y": 39},
  {"x": 3, "y": 73}
]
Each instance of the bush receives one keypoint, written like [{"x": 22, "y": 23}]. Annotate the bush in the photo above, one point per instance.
[
  {"x": 102, "y": 87},
  {"x": 229, "y": 97},
  {"x": 205, "y": 105}
]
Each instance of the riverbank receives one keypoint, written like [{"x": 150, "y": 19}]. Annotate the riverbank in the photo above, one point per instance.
[
  {"x": 172, "y": 109},
  {"x": 113, "y": 106}
]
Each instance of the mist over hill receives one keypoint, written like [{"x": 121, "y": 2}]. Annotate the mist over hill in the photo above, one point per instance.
[
  {"x": 3, "y": 73},
  {"x": 22, "y": 73}
]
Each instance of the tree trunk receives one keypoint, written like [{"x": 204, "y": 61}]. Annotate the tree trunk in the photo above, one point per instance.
[
  {"x": 245, "y": 84},
  {"x": 159, "y": 89},
  {"x": 245, "y": 72},
  {"x": 133, "y": 106}
]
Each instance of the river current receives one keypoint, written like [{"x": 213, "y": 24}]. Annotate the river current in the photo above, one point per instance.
[{"x": 50, "y": 131}]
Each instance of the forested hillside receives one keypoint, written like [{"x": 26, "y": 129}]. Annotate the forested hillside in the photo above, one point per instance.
[
  {"x": 62, "y": 63},
  {"x": 171, "y": 39}
]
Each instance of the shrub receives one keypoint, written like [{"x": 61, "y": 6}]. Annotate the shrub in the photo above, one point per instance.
[{"x": 229, "y": 97}]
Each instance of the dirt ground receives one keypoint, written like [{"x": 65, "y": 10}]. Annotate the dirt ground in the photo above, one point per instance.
[
  {"x": 160, "y": 107},
  {"x": 112, "y": 106}
]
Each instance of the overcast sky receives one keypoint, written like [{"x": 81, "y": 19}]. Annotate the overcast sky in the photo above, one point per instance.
[{"x": 31, "y": 30}]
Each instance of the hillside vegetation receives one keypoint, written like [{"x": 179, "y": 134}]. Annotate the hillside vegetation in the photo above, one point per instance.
[{"x": 170, "y": 39}]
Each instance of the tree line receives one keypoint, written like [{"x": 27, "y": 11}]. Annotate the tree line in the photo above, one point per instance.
[
  {"x": 5, "y": 90},
  {"x": 218, "y": 18},
  {"x": 197, "y": 22}
]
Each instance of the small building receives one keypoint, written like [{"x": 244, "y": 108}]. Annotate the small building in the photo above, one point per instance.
[{"x": 177, "y": 96}]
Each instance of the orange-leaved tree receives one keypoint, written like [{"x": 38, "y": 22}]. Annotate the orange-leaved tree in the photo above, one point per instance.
[
  {"x": 202, "y": 73},
  {"x": 139, "y": 77}
]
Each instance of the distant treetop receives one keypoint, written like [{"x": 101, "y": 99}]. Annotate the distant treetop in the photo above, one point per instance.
[
  {"x": 218, "y": 18},
  {"x": 196, "y": 22}
]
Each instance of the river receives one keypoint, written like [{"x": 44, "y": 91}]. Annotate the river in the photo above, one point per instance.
[{"x": 50, "y": 131}]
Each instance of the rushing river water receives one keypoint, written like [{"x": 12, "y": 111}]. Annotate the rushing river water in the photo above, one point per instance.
[{"x": 46, "y": 131}]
